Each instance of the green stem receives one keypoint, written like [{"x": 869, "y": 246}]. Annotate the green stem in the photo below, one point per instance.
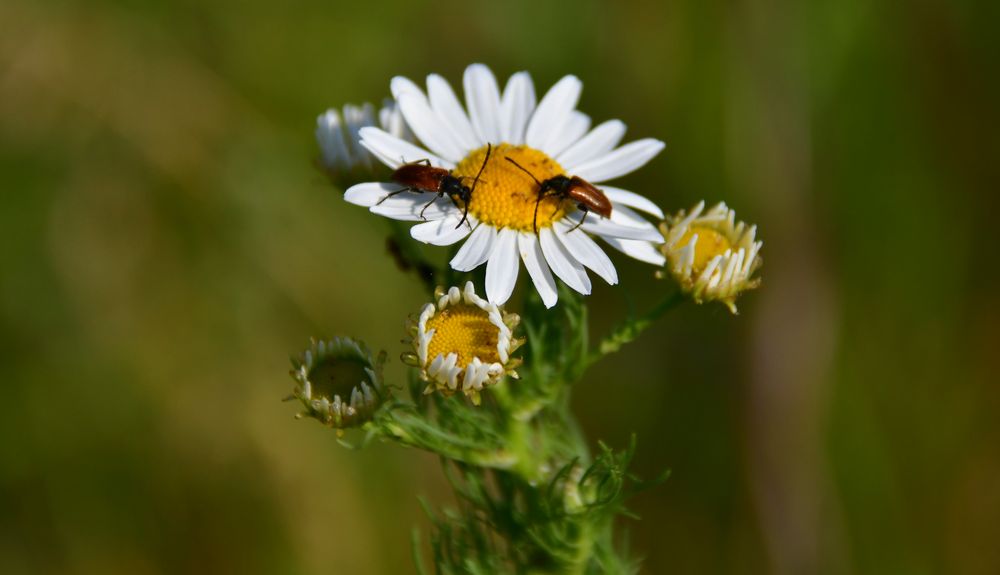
[
  {"x": 519, "y": 441},
  {"x": 494, "y": 459},
  {"x": 411, "y": 430},
  {"x": 630, "y": 330}
]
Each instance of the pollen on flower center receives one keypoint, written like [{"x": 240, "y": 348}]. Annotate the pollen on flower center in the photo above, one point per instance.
[
  {"x": 710, "y": 243},
  {"x": 465, "y": 330},
  {"x": 505, "y": 196}
]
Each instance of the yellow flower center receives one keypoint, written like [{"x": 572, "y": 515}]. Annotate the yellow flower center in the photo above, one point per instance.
[
  {"x": 710, "y": 244},
  {"x": 505, "y": 196},
  {"x": 465, "y": 330}
]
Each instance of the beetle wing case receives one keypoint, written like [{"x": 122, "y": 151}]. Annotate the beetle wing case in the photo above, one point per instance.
[
  {"x": 584, "y": 192},
  {"x": 420, "y": 177}
]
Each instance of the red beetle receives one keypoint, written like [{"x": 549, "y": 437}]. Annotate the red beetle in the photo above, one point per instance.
[
  {"x": 587, "y": 197},
  {"x": 421, "y": 177}
]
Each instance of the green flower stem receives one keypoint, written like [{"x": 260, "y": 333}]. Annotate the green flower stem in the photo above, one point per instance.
[
  {"x": 412, "y": 431},
  {"x": 540, "y": 428},
  {"x": 630, "y": 330},
  {"x": 519, "y": 440}
]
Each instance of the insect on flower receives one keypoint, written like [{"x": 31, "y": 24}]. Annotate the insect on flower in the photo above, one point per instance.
[
  {"x": 507, "y": 224},
  {"x": 422, "y": 177},
  {"x": 587, "y": 197}
]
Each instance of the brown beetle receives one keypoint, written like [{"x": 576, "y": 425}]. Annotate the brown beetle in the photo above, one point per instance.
[
  {"x": 587, "y": 197},
  {"x": 421, "y": 177}
]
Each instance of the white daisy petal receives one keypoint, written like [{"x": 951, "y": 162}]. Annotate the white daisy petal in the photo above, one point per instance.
[
  {"x": 587, "y": 252},
  {"x": 391, "y": 120},
  {"x": 443, "y": 232},
  {"x": 369, "y": 193},
  {"x": 624, "y": 160},
  {"x": 604, "y": 227},
  {"x": 628, "y": 217},
  {"x": 357, "y": 117},
  {"x": 501, "y": 271},
  {"x": 598, "y": 142},
  {"x": 569, "y": 270},
  {"x": 632, "y": 199},
  {"x": 395, "y": 152},
  {"x": 534, "y": 262},
  {"x": 575, "y": 127},
  {"x": 482, "y": 97},
  {"x": 400, "y": 85},
  {"x": 642, "y": 251},
  {"x": 330, "y": 135},
  {"x": 426, "y": 124},
  {"x": 516, "y": 107},
  {"x": 475, "y": 250},
  {"x": 413, "y": 207},
  {"x": 553, "y": 110},
  {"x": 449, "y": 109}
]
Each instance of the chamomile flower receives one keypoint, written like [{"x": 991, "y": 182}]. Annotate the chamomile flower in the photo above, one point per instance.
[
  {"x": 341, "y": 154},
  {"x": 710, "y": 255},
  {"x": 548, "y": 138},
  {"x": 338, "y": 382},
  {"x": 463, "y": 343}
]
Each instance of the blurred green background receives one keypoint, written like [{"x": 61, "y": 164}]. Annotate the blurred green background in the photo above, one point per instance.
[{"x": 166, "y": 243}]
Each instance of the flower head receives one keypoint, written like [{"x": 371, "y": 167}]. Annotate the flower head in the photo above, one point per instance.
[
  {"x": 341, "y": 153},
  {"x": 463, "y": 343},
  {"x": 338, "y": 382},
  {"x": 710, "y": 255},
  {"x": 531, "y": 143}
]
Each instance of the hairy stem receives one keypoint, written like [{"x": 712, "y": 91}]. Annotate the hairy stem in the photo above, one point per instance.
[{"x": 630, "y": 330}]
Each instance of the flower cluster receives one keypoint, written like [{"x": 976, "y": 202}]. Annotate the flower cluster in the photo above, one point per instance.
[{"x": 506, "y": 179}]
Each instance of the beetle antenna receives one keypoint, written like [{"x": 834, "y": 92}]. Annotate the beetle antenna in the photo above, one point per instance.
[
  {"x": 523, "y": 169},
  {"x": 468, "y": 198},
  {"x": 489, "y": 148},
  {"x": 534, "y": 220}
]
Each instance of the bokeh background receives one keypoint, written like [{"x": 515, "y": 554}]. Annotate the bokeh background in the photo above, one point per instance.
[{"x": 166, "y": 243}]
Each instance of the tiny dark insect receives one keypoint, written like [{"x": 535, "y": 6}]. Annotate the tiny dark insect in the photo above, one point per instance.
[
  {"x": 422, "y": 177},
  {"x": 587, "y": 197}
]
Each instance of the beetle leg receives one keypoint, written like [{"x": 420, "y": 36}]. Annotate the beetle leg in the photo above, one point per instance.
[
  {"x": 585, "y": 211},
  {"x": 465, "y": 217},
  {"x": 427, "y": 205},
  {"x": 542, "y": 192},
  {"x": 425, "y": 161},
  {"x": 391, "y": 194}
]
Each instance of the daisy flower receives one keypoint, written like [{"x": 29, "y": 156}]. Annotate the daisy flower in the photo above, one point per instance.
[
  {"x": 463, "y": 343},
  {"x": 339, "y": 383},
  {"x": 710, "y": 255},
  {"x": 547, "y": 138}
]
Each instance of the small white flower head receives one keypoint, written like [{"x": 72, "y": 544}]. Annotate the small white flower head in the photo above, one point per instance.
[
  {"x": 710, "y": 255},
  {"x": 338, "y": 135},
  {"x": 531, "y": 142},
  {"x": 463, "y": 343},
  {"x": 338, "y": 382}
]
